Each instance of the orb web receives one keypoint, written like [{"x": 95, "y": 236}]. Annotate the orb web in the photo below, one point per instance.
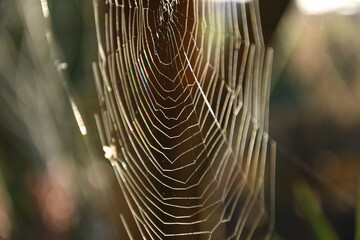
[{"x": 183, "y": 88}]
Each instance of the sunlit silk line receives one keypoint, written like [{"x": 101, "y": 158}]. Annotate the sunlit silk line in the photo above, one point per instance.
[
  {"x": 147, "y": 74},
  {"x": 226, "y": 1},
  {"x": 126, "y": 117},
  {"x": 215, "y": 160},
  {"x": 144, "y": 76},
  {"x": 147, "y": 60},
  {"x": 61, "y": 67},
  {"x": 203, "y": 94},
  {"x": 144, "y": 82},
  {"x": 78, "y": 117},
  {"x": 318, "y": 7},
  {"x": 45, "y": 8}
]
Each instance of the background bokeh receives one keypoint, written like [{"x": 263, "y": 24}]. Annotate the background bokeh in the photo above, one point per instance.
[{"x": 56, "y": 184}]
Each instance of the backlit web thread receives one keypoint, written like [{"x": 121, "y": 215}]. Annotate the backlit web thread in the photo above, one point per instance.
[{"x": 183, "y": 88}]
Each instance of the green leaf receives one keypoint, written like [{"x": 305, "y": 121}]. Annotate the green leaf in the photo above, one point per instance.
[{"x": 311, "y": 209}]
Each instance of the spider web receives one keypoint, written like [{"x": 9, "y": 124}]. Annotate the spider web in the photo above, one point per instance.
[{"x": 183, "y": 88}]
